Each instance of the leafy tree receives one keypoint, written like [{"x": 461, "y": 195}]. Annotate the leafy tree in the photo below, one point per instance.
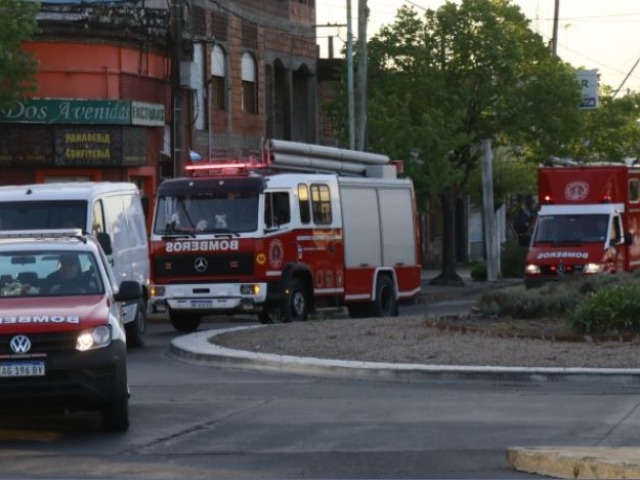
[
  {"x": 17, "y": 67},
  {"x": 512, "y": 173},
  {"x": 471, "y": 70},
  {"x": 610, "y": 132}
]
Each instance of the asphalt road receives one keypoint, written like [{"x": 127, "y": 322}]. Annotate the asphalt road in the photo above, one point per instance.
[{"x": 192, "y": 422}]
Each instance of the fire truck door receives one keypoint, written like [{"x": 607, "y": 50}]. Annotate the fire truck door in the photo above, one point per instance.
[{"x": 616, "y": 241}]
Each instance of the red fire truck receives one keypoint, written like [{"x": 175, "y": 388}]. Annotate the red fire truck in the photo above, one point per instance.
[
  {"x": 305, "y": 227},
  {"x": 588, "y": 223}
]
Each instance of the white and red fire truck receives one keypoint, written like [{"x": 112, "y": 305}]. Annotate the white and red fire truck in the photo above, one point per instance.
[
  {"x": 305, "y": 227},
  {"x": 588, "y": 223}
]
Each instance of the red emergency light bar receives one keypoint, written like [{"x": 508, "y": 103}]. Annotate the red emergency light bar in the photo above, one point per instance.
[
  {"x": 605, "y": 199},
  {"x": 225, "y": 168},
  {"x": 547, "y": 199}
]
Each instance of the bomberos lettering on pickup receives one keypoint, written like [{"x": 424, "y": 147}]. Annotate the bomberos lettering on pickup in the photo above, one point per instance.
[
  {"x": 40, "y": 319},
  {"x": 584, "y": 255},
  {"x": 203, "y": 246}
]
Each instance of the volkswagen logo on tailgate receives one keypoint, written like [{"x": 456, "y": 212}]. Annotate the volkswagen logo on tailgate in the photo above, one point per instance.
[
  {"x": 20, "y": 344},
  {"x": 201, "y": 264}
]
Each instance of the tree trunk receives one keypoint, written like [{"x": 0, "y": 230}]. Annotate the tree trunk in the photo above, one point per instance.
[{"x": 448, "y": 275}]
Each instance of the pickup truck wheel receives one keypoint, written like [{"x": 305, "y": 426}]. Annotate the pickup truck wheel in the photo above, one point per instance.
[
  {"x": 184, "y": 322},
  {"x": 115, "y": 415},
  {"x": 385, "y": 304},
  {"x": 295, "y": 305},
  {"x": 135, "y": 330}
]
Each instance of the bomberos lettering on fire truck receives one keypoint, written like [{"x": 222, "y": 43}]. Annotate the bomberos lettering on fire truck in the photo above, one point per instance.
[{"x": 202, "y": 246}]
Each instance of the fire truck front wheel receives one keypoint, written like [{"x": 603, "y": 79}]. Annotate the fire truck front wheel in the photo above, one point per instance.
[
  {"x": 184, "y": 322},
  {"x": 295, "y": 304},
  {"x": 385, "y": 303}
]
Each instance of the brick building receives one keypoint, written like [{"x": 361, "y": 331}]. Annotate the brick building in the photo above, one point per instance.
[
  {"x": 127, "y": 88},
  {"x": 253, "y": 66}
]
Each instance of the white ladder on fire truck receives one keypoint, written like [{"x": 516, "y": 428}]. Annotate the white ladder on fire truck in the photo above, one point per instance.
[{"x": 295, "y": 156}]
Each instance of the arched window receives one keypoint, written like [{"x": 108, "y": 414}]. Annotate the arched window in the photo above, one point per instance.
[
  {"x": 218, "y": 78},
  {"x": 249, "y": 84}
]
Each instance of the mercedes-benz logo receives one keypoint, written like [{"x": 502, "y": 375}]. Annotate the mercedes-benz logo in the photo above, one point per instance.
[
  {"x": 20, "y": 344},
  {"x": 561, "y": 269},
  {"x": 201, "y": 264}
]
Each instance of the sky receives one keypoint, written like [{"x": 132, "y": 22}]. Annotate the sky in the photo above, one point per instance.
[{"x": 602, "y": 35}]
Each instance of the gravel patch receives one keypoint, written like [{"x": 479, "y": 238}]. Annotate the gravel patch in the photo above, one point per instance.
[{"x": 416, "y": 340}]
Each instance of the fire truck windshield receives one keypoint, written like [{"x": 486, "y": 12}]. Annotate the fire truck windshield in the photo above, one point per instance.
[
  {"x": 582, "y": 228},
  {"x": 207, "y": 213}
]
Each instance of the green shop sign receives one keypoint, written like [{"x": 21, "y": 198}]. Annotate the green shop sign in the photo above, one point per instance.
[{"x": 84, "y": 112}]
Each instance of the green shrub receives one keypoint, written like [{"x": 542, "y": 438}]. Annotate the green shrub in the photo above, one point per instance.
[
  {"x": 478, "y": 271},
  {"x": 513, "y": 259},
  {"x": 520, "y": 302},
  {"x": 614, "y": 308},
  {"x": 594, "y": 304}
]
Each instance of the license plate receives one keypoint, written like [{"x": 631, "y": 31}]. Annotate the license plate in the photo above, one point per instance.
[
  {"x": 201, "y": 303},
  {"x": 22, "y": 369}
]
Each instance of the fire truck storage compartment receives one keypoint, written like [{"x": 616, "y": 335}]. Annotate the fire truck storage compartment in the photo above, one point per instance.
[{"x": 376, "y": 219}]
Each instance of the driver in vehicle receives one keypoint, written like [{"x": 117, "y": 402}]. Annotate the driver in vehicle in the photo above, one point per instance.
[{"x": 68, "y": 278}]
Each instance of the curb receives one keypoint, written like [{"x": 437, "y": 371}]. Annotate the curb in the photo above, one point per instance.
[{"x": 198, "y": 348}]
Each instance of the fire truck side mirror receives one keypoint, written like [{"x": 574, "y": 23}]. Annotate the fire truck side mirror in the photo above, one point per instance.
[{"x": 628, "y": 238}]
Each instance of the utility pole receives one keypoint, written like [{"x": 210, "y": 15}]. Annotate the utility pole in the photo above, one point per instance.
[
  {"x": 177, "y": 133},
  {"x": 361, "y": 115},
  {"x": 492, "y": 248},
  {"x": 351, "y": 107},
  {"x": 554, "y": 40}
]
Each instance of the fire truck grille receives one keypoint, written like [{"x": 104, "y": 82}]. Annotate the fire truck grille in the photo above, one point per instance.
[
  {"x": 177, "y": 267},
  {"x": 43, "y": 342},
  {"x": 562, "y": 270}
]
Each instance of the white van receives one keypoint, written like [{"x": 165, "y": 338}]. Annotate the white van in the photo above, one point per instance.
[{"x": 98, "y": 208}]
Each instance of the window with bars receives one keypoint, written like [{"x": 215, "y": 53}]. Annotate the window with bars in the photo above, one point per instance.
[
  {"x": 220, "y": 23},
  {"x": 249, "y": 35},
  {"x": 249, "y": 84},
  {"x": 218, "y": 78}
]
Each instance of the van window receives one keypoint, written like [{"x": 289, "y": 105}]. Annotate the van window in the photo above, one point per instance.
[
  {"x": 135, "y": 219},
  {"x": 97, "y": 225},
  {"x": 41, "y": 215},
  {"x": 114, "y": 213}
]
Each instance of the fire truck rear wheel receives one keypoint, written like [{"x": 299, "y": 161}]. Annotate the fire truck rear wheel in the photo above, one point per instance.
[
  {"x": 184, "y": 322},
  {"x": 385, "y": 304},
  {"x": 295, "y": 305}
]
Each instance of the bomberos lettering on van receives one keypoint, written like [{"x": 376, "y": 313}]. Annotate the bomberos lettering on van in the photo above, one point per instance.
[{"x": 202, "y": 246}]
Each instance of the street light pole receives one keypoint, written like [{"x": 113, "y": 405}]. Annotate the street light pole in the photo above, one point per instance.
[
  {"x": 361, "y": 117},
  {"x": 350, "y": 99},
  {"x": 176, "y": 91}
]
